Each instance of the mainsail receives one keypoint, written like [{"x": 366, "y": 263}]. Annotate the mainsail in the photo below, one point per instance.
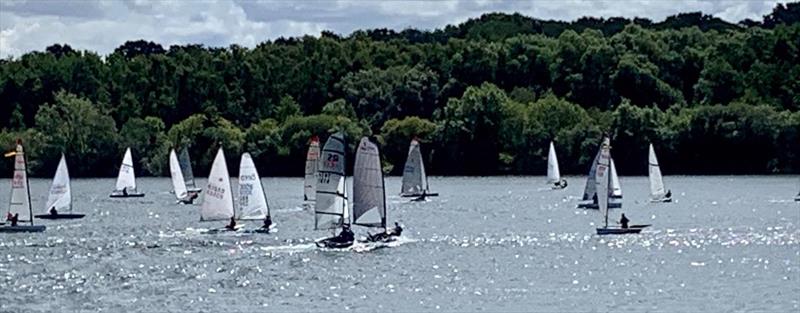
[
  {"x": 591, "y": 186},
  {"x": 616, "y": 188},
  {"x": 126, "y": 178},
  {"x": 414, "y": 179},
  {"x": 60, "y": 195},
  {"x": 252, "y": 201},
  {"x": 553, "y": 174},
  {"x": 186, "y": 169},
  {"x": 178, "y": 182},
  {"x": 218, "y": 201},
  {"x": 20, "y": 191},
  {"x": 654, "y": 174},
  {"x": 331, "y": 199},
  {"x": 602, "y": 177},
  {"x": 369, "y": 197},
  {"x": 312, "y": 157}
]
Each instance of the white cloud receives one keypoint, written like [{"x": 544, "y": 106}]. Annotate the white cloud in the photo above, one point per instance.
[{"x": 27, "y": 25}]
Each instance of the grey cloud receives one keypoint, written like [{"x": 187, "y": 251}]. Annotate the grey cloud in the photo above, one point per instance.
[{"x": 76, "y": 9}]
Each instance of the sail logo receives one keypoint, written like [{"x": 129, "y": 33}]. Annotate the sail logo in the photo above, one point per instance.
[
  {"x": 248, "y": 177},
  {"x": 18, "y": 181}
]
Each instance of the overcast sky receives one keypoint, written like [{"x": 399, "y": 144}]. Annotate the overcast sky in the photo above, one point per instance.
[{"x": 101, "y": 26}]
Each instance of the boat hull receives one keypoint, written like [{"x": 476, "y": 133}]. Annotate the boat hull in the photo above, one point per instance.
[
  {"x": 633, "y": 229},
  {"x": 664, "y": 200},
  {"x": 129, "y": 195},
  {"x": 332, "y": 244},
  {"x": 415, "y": 195},
  {"x": 60, "y": 216},
  {"x": 594, "y": 206},
  {"x": 23, "y": 229}
]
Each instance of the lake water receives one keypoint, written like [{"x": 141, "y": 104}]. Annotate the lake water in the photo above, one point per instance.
[{"x": 727, "y": 244}]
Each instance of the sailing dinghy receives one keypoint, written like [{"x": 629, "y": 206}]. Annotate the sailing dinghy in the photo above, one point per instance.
[
  {"x": 369, "y": 192},
  {"x": 252, "y": 200},
  {"x": 218, "y": 200},
  {"x": 310, "y": 182},
  {"x": 20, "y": 203},
  {"x": 59, "y": 200},
  {"x": 330, "y": 209},
  {"x": 182, "y": 194},
  {"x": 126, "y": 179},
  {"x": 657, "y": 191},
  {"x": 602, "y": 183},
  {"x": 553, "y": 173},
  {"x": 590, "y": 194},
  {"x": 186, "y": 171},
  {"x": 415, "y": 182}
]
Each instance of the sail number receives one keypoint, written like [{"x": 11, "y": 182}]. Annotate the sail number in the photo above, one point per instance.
[
  {"x": 332, "y": 160},
  {"x": 324, "y": 178}
]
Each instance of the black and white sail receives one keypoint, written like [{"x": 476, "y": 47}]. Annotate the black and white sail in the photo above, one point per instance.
[
  {"x": 330, "y": 209},
  {"x": 186, "y": 170}
]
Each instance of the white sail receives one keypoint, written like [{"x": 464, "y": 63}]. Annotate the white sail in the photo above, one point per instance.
[
  {"x": 414, "y": 179},
  {"x": 369, "y": 198},
  {"x": 126, "y": 178},
  {"x": 616, "y": 188},
  {"x": 20, "y": 193},
  {"x": 654, "y": 174},
  {"x": 604, "y": 170},
  {"x": 218, "y": 201},
  {"x": 252, "y": 201},
  {"x": 553, "y": 174},
  {"x": 186, "y": 169},
  {"x": 591, "y": 187},
  {"x": 178, "y": 183},
  {"x": 312, "y": 157},
  {"x": 330, "y": 209},
  {"x": 60, "y": 195}
]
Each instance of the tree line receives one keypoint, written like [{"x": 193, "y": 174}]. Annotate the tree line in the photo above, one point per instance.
[{"x": 484, "y": 97}]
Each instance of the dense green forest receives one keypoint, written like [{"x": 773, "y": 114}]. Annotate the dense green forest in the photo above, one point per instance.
[{"x": 485, "y": 97}]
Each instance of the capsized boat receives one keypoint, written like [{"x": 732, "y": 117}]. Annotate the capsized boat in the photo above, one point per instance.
[
  {"x": 310, "y": 179},
  {"x": 20, "y": 201},
  {"x": 126, "y": 179},
  {"x": 252, "y": 200},
  {"x": 657, "y": 191},
  {"x": 553, "y": 174},
  {"x": 330, "y": 207},
  {"x": 59, "y": 199},
  {"x": 602, "y": 183},
  {"x": 415, "y": 182}
]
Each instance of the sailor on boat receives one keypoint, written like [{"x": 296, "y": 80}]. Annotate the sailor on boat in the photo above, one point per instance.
[
  {"x": 561, "y": 184},
  {"x": 125, "y": 191},
  {"x": 267, "y": 223},
  {"x": 53, "y": 211},
  {"x": 624, "y": 221},
  {"x": 388, "y": 234},
  {"x": 668, "y": 194},
  {"x": 232, "y": 225},
  {"x": 421, "y": 197},
  {"x": 345, "y": 236},
  {"x": 189, "y": 198},
  {"x": 13, "y": 219}
]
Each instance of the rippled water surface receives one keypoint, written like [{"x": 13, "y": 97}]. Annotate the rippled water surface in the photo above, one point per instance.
[{"x": 486, "y": 244}]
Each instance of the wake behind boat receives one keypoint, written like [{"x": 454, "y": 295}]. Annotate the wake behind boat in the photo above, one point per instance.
[
  {"x": 415, "y": 182},
  {"x": 126, "y": 179},
  {"x": 59, "y": 199},
  {"x": 19, "y": 209}
]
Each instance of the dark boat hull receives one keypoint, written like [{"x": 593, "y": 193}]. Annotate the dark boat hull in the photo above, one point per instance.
[
  {"x": 130, "y": 195},
  {"x": 23, "y": 229},
  {"x": 60, "y": 216},
  {"x": 594, "y": 206},
  {"x": 633, "y": 229},
  {"x": 415, "y": 195},
  {"x": 330, "y": 243}
]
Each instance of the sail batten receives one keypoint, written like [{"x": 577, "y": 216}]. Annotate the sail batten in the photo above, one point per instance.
[
  {"x": 415, "y": 181},
  {"x": 218, "y": 201},
  {"x": 310, "y": 179},
  {"x": 331, "y": 195},
  {"x": 369, "y": 205},
  {"x": 60, "y": 194},
  {"x": 178, "y": 181},
  {"x": 252, "y": 200}
]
